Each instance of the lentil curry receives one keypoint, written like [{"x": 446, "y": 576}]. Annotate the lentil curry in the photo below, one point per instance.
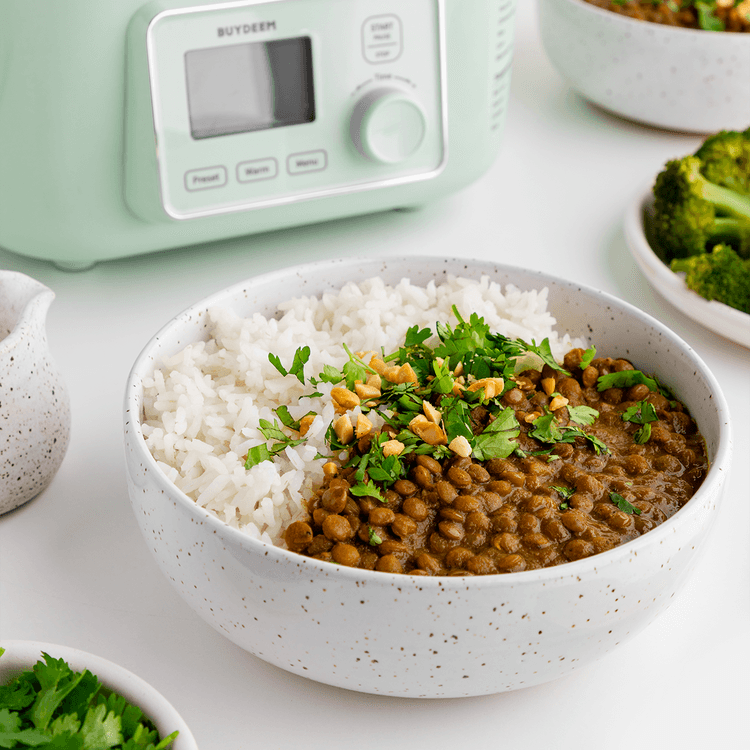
[
  {"x": 492, "y": 457},
  {"x": 708, "y": 15}
]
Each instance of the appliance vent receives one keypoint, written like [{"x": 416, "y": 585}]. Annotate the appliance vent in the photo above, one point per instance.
[{"x": 501, "y": 56}]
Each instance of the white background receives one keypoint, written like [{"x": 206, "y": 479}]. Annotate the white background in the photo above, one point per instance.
[{"x": 74, "y": 568}]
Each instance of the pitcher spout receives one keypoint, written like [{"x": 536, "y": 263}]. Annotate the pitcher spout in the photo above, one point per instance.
[
  {"x": 24, "y": 303},
  {"x": 34, "y": 403}
]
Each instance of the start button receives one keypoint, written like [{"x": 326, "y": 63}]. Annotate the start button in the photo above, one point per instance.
[{"x": 381, "y": 38}]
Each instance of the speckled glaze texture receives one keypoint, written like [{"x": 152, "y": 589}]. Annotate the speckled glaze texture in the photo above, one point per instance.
[
  {"x": 34, "y": 406},
  {"x": 20, "y": 656},
  {"x": 427, "y": 637},
  {"x": 679, "y": 79}
]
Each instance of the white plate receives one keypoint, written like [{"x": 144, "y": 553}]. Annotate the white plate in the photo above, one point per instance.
[{"x": 722, "y": 319}]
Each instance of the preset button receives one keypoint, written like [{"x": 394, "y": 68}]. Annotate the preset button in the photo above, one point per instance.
[{"x": 206, "y": 178}]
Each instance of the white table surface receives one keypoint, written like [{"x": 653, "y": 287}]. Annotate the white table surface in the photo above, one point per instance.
[{"x": 74, "y": 568}]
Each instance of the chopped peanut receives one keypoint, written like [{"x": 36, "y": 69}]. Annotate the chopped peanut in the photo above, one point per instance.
[
  {"x": 305, "y": 423},
  {"x": 392, "y": 448},
  {"x": 431, "y": 412},
  {"x": 406, "y": 374},
  {"x": 344, "y": 399},
  {"x": 390, "y": 373},
  {"x": 378, "y": 365},
  {"x": 548, "y": 385},
  {"x": 343, "y": 429},
  {"x": 366, "y": 391},
  {"x": 364, "y": 426},
  {"x": 375, "y": 381},
  {"x": 460, "y": 446},
  {"x": 492, "y": 386},
  {"x": 557, "y": 403},
  {"x": 428, "y": 431}
]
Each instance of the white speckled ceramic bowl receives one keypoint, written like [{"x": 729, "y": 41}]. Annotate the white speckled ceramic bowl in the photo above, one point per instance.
[
  {"x": 21, "y": 656},
  {"x": 679, "y": 79},
  {"x": 426, "y": 637}
]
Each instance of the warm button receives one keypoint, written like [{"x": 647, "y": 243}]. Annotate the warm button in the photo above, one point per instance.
[{"x": 387, "y": 125}]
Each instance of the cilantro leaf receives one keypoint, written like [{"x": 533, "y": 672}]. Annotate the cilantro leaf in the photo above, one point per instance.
[
  {"x": 588, "y": 357},
  {"x": 546, "y": 429},
  {"x": 627, "y": 379},
  {"x": 456, "y": 418},
  {"x": 623, "y": 504},
  {"x": 642, "y": 413},
  {"x": 331, "y": 375},
  {"x": 276, "y": 362},
  {"x": 416, "y": 337},
  {"x": 301, "y": 356},
  {"x": 565, "y": 493},
  {"x": 367, "y": 489},
  {"x": 584, "y": 415},
  {"x": 12, "y": 733},
  {"x": 257, "y": 455},
  {"x": 373, "y": 538},
  {"x": 18, "y": 694},
  {"x": 101, "y": 729},
  {"x": 56, "y": 680},
  {"x": 498, "y": 440}
]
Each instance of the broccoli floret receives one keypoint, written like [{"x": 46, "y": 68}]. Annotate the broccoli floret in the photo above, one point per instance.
[
  {"x": 691, "y": 213},
  {"x": 725, "y": 160},
  {"x": 721, "y": 275}
]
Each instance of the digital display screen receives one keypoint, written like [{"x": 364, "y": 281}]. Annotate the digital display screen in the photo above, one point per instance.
[{"x": 248, "y": 87}]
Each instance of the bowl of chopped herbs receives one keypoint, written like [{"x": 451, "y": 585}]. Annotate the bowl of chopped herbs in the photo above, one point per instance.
[
  {"x": 674, "y": 64},
  {"x": 60, "y": 698},
  {"x": 689, "y": 232}
]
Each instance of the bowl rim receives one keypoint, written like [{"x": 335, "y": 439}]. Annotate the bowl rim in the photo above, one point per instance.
[
  {"x": 630, "y": 22},
  {"x": 24, "y": 654},
  {"x": 572, "y": 569}
]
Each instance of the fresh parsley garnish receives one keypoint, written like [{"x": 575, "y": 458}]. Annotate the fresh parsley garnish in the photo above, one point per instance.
[
  {"x": 588, "y": 357},
  {"x": 301, "y": 356},
  {"x": 565, "y": 493},
  {"x": 372, "y": 538},
  {"x": 53, "y": 706},
  {"x": 623, "y": 504},
  {"x": 264, "y": 452},
  {"x": 642, "y": 413},
  {"x": 498, "y": 440},
  {"x": 629, "y": 378},
  {"x": 584, "y": 415},
  {"x": 547, "y": 430}
]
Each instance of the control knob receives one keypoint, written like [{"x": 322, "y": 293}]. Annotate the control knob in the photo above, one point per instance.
[{"x": 387, "y": 125}]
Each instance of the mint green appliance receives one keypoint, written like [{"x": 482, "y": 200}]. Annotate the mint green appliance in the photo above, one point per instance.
[{"x": 129, "y": 128}]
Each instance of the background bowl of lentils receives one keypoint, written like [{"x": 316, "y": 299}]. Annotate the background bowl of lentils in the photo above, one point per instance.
[
  {"x": 429, "y": 636},
  {"x": 665, "y": 63}
]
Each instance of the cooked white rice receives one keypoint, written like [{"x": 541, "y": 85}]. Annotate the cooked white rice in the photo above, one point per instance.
[{"x": 202, "y": 409}]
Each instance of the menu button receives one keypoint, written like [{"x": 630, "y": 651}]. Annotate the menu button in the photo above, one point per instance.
[{"x": 308, "y": 161}]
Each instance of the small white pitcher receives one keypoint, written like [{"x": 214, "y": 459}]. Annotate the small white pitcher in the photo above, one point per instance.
[{"x": 34, "y": 405}]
